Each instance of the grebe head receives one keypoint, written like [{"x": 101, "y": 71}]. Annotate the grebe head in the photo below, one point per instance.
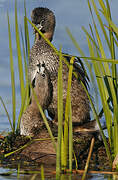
[{"x": 44, "y": 20}]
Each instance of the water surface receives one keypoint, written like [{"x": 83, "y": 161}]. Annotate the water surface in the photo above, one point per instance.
[{"x": 71, "y": 14}]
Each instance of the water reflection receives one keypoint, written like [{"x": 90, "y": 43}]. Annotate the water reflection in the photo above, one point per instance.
[{"x": 13, "y": 174}]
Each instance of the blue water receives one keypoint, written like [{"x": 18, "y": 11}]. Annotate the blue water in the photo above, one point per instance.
[{"x": 69, "y": 13}]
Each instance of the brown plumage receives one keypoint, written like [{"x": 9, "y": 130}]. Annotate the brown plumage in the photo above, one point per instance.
[
  {"x": 31, "y": 119},
  {"x": 41, "y": 150},
  {"x": 41, "y": 52}
]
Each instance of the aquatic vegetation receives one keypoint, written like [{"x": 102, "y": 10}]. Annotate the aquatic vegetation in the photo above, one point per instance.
[
  {"x": 105, "y": 73},
  {"x": 62, "y": 146},
  {"x": 105, "y": 76},
  {"x": 23, "y": 88}
]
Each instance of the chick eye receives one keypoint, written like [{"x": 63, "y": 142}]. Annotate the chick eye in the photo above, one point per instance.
[
  {"x": 43, "y": 65},
  {"x": 43, "y": 75}
]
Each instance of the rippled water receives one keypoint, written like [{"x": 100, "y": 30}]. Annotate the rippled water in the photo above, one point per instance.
[
  {"x": 69, "y": 13},
  {"x": 52, "y": 177}
]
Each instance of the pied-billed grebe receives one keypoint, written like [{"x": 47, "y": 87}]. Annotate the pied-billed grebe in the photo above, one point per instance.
[
  {"x": 41, "y": 52},
  {"x": 31, "y": 118}
]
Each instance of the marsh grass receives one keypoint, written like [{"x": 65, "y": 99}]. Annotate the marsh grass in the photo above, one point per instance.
[
  {"x": 105, "y": 73},
  {"x": 23, "y": 88},
  {"x": 60, "y": 142},
  {"x": 44, "y": 119},
  {"x": 12, "y": 80},
  {"x": 63, "y": 148}
]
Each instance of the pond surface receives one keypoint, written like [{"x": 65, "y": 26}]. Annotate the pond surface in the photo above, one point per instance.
[
  {"x": 49, "y": 176},
  {"x": 69, "y": 13}
]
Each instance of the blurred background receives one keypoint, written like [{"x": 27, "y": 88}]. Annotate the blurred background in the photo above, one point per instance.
[{"x": 69, "y": 13}]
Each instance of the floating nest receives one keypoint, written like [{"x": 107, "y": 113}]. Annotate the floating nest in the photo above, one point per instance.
[{"x": 15, "y": 149}]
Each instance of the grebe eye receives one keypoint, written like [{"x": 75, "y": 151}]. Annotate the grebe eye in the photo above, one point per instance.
[{"x": 42, "y": 22}]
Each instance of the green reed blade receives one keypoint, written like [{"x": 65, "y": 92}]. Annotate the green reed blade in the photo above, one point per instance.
[
  {"x": 25, "y": 100},
  {"x": 94, "y": 111},
  {"x": 115, "y": 28},
  {"x": 100, "y": 44},
  {"x": 106, "y": 72},
  {"x": 116, "y": 41},
  {"x": 22, "y": 108},
  {"x": 63, "y": 159},
  {"x": 19, "y": 55},
  {"x": 25, "y": 146},
  {"x": 26, "y": 73},
  {"x": 115, "y": 120},
  {"x": 114, "y": 75},
  {"x": 70, "y": 137},
  {"x": 75, "y": 159},
  {"x": 22, "y": 147},
  {"x": 94, "y": 84},
  {"x": 27, "y": 40},
  {"x": 112, "y": 50},
  {"x": 97, "y": 75},
  {"x": 24, "y": 54},
  {"x": 102, "y": 4},
  {"x": 102, "y": 51},
  {"x": 60, "y": 116},
  {"x": 42, "y": 173},
  {"x": 101, "y": 131},
  {"x": 77, "y": 46},
  {"x": 110, "y": 117},
  {"x": 44, "y": 119},
  {"x": 81, "y": 52},
  {"x": 18, "y": 171},
  {"x": 90, "y": 37},
  {"x": 12, "y": 77},
  {"x": 101, "y": 23},
  {"x": 42, "y": 35},
  {"x": 27, "y": 43},
  {"x": 67, "y": 110},
  {"x": 107, "y": 14},
  {"x": 100, "y": 85},
  {"x": 7, "y": 113},
  {"x": 70, "y": 114},
  {"x": 101, "y": 90},
  {"x": 100, "y": 59},
  {"x": 75, "y": 42}
]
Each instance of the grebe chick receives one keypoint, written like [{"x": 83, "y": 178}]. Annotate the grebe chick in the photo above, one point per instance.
[{"x": 31, "y": 118}]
